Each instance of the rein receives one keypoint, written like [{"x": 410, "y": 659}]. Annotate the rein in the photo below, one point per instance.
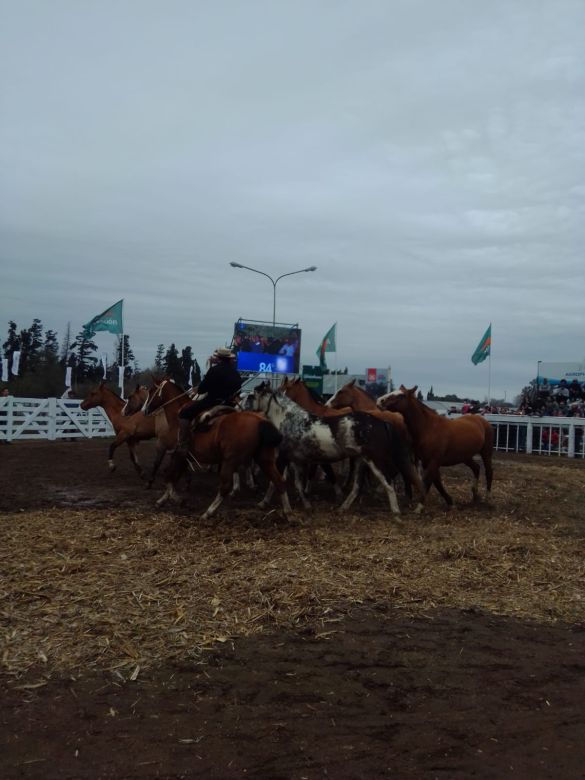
[{"x": 166, "y": 403}]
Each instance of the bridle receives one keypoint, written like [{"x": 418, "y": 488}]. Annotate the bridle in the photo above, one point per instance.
[{"x": 158, "y": 393}]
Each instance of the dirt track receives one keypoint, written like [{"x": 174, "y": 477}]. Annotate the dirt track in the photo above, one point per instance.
[{"x": 450, "y": 688}]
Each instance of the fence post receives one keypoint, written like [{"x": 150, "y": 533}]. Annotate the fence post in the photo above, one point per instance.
[
  {"x": 52, "y": 413},
  {"x": 571, "y": 444},
  {"x": 9, "y": 418},
  {"x": 529, "y": 437}
]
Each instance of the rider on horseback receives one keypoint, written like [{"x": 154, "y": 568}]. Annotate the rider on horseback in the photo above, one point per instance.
[{"x": 219, "y": 385}]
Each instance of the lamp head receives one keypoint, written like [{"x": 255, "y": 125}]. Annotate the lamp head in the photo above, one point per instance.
[
  {"x": 311, "y": 268},
  {"x": 236, "y": 265}
]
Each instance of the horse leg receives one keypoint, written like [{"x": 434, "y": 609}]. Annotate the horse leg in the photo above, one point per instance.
[
  {"x": 236, "y": 485},
  {"x": 433, "y": 477},
  {"x": 226, "y": 481},
  {"x": 270, "y": 491},
  {"x": 476, "y": 470},
  {"x": 121, "y": 437},
  {"x": 132, "y": 445},
  {"x": 414, "y": 478},
  {"x": 299, "y": 486},
  {"x": 355, "y": 488},
  {"x": 388, "y": 487},
  {"x": 486, "y": 456},
  {"x": 266, "y": 462},
  {"x": 158, "y": 458}
]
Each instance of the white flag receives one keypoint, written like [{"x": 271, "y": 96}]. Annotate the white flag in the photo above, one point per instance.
[
  {"x": 15, "y": 362},
  {"x": 68, "y": 376},
  {"x": 105, "y": 363},
  {"x": 5, "y": 369}
]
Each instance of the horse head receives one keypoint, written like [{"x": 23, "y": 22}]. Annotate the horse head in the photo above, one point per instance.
[
  {"x": 343, "y": 397},
  {"x": 135, "y": 400},
  {"x": 398, "y": 400},
  {"x": 94, "y": 398}
]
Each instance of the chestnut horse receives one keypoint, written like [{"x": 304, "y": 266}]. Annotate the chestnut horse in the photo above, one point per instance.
[
  {"x": 439, "y": 441},
  {"x": 230, "y": 440},
  {"x": 130, "y": 430}
]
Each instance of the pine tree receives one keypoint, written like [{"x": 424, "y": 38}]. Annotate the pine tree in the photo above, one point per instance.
[
  {"x": 159, "y": 358},
  {"x": 50, "y": 348},
  {"x": 85, "y": 362},
  {"x": 128, "y": 353},
  {"x": 35, "y": 345},
  {"x": 172, "y": 364},
  {"x": 66, "y": 346},
  {"x": 12, "y": 343},
  {"x": 186, "y": 363}
]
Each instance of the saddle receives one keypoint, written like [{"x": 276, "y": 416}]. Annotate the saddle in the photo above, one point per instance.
[{"x": 205, "y": 420}]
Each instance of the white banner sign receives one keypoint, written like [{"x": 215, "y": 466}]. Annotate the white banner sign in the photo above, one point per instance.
[
  {"x": 554, "y": 372},
  {"x": 105, "y": 363},
  {"x": 5, "y": 369},
  {"x": 68, "y": 372},
  {"x": 15, "y": 362}
]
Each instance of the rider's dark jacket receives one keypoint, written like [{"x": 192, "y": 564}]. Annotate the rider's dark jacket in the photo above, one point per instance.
[{"x": 221, "y": 383}]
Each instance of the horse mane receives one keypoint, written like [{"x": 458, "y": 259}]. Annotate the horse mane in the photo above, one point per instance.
[
  {"x": 317, "y": 397},
  {"x": 364, "y": 391}
]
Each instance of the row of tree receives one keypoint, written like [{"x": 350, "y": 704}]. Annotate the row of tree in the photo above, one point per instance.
[{"x": 44, "y": 361}]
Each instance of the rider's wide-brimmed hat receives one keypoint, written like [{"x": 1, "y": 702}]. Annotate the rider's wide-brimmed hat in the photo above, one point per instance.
[{"x": 224, "y": 352}]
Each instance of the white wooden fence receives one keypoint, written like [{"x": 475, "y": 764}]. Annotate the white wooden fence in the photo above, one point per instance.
[
  {"x": 60, "y": 418},
  {"x": 30, "y": 419}
]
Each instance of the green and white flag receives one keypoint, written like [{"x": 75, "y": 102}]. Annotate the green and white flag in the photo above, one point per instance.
[
  {"x": 483, "y": 348},
  {"x": 110, "y": 320},
  {"x": 327, "y": 345}
]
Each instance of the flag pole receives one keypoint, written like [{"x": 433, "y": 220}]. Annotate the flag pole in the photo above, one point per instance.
[
  {"x": 122, "y": 371},
  {"x": 335, "y": 357},
  {"x": 490, "y": 368}
]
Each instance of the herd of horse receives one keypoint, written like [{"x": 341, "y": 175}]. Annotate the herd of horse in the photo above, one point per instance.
[{"x": 290, "y": 430}]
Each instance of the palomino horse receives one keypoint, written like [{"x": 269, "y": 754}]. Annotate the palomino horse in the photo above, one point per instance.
[
  {"x": 311, "y": 439},
  {"x": 359, "y": 400},
  {"x": 230, "y": 440},
  {"x": 439, "y": 441},
  {"x": 131, "y": 429}
]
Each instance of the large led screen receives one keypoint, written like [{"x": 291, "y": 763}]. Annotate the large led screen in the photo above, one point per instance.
[{"x": 273, "y": 349}]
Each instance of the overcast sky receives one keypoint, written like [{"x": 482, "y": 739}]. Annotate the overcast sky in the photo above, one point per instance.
[{"x": 428, "y": 157}]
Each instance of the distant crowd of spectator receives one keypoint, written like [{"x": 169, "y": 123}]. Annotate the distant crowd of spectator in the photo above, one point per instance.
[{"x": 567, "y": 399}]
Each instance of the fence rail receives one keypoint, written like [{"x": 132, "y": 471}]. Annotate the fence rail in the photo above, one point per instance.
[
  {"x": 32, "y": 419},
  {"x": 58, "y": 418}
]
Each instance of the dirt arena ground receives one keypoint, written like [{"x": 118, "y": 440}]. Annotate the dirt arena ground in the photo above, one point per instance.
[{"x": 141, "y": 643}]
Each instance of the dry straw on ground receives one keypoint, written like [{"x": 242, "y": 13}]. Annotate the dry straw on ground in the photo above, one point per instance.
[{"x": 123, "y": 591}]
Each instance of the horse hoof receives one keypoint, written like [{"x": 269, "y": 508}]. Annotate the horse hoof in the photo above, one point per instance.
[
  {"x": 418, "y": 509},
  {"x": 112, "y": 466},
  {"x": 263, "y": 505}
]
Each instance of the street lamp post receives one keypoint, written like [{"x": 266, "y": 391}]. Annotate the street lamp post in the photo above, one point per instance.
[{"x": 274, "y": 281}]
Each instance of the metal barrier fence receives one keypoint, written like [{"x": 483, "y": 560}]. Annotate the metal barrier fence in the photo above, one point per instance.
[
  {"x": 539, "y": 435},
  {"x": 32, "y": 419}
]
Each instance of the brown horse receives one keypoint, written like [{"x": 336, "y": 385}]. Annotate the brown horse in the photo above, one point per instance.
[
  {"x": 439, "y": 441},
  {"x": 230, "y": 440},
  {"x": 298, "y": 392},
  {"x": 130, "y": 430},
  {"x": 358, "y": 400}
]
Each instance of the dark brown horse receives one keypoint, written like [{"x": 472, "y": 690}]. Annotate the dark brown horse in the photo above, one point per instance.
[
  {"x": 230, "y": 440},
  {"x": 358, "y": 400},
  {"x": 439, "y": 441}
]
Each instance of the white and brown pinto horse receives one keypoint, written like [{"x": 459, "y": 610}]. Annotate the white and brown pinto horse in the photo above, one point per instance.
[
  {"x": 439, "y": 441},
  {"x": 311, "y": 439}
]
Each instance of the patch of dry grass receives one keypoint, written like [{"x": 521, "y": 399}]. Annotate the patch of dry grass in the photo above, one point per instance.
[{"x": 122, "y": 591}]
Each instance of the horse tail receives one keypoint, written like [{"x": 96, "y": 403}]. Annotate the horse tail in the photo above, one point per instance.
[
  {"x": 486, "y": 454},
  {"x": 268, "y": 435}
]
